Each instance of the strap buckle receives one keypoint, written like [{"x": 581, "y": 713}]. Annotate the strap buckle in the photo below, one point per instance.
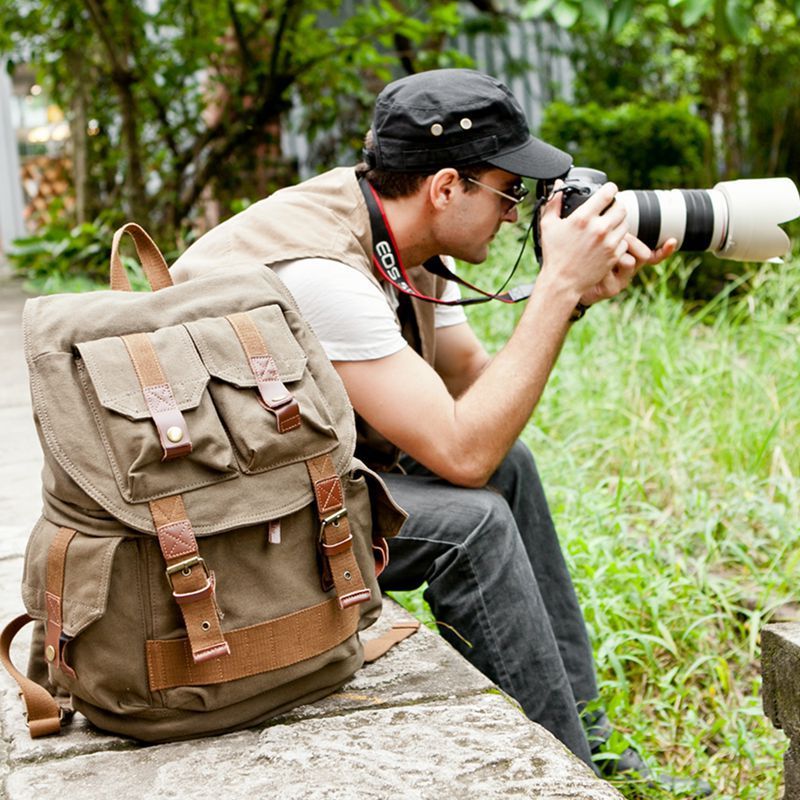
[
  {"x": 186, "y": 566},
  {"x": 333, "y": 519}
]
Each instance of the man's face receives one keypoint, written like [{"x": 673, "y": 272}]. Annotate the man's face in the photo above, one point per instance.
[{"x": 474, "y": 216}]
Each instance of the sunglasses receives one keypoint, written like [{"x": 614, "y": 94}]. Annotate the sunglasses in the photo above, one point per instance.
[{"x": 514, "y": 196}]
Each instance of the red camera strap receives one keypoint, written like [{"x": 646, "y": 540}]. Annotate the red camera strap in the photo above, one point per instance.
[{"x": 386, "y": 258}]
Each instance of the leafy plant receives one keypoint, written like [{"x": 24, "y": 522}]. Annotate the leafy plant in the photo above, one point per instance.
[
  {"x": 738, "y": 59},
  {"x": 62, "y": 258},
  {"x": 185, "y": 97},
  {"x": 639, "y": 145}
]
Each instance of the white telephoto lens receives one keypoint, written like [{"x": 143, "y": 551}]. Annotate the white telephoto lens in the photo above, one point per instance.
[{"x": 736, "y": 220}]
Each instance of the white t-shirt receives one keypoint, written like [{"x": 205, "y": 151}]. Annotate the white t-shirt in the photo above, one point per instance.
[{"x": 353, "y": 318}]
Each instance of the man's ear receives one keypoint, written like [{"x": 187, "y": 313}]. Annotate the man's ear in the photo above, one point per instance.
[{"x": 441, "y": 187}]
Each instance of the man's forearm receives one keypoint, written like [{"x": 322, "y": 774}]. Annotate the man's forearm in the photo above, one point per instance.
[{"x": 492, "y": 412}]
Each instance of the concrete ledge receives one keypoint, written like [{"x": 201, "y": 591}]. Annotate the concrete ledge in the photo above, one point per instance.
[{"x": 780, "y": 668}]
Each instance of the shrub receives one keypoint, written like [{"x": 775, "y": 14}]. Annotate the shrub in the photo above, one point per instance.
[
  {"x": 61, "y": 257},
  {"x": 638, "y": 145}
]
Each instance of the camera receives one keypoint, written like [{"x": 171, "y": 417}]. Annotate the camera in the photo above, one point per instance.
[{"x": 737, "y": 220}]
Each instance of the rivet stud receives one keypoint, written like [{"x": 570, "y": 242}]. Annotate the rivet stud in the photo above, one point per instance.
[{"x": 174, "y": 434}]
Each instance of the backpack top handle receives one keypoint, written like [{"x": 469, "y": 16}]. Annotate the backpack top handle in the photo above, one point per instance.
[{"x": 153, "y": 263}]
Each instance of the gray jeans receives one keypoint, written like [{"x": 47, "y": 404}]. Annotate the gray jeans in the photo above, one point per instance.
[{"x": 496, "y": 574}]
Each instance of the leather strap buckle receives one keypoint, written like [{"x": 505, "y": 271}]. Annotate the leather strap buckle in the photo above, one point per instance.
[
  {"x": 333, "y": 519},
  {"x": 186, "y": 566}
]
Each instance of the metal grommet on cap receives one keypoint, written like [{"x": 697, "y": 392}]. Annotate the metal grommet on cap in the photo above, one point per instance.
[
  {"x": 466, "y": 123},
  {"x": 437, "y": 129}
]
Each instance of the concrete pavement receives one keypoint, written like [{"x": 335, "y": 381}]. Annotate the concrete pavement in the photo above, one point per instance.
[{"x": 419, "y": 723}]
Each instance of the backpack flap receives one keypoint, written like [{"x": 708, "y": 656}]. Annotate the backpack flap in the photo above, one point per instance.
[
  {"x": 95, "y": 422},
  {"x": 244, "y": 387}
]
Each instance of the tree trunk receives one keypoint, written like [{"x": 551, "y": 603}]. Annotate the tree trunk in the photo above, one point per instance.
[
  {"x": 137, "y": 198},
  {"x": 78, "y": 124}
]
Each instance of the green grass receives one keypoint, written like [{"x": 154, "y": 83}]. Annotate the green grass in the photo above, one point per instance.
[{"x": 667, "y": 440}]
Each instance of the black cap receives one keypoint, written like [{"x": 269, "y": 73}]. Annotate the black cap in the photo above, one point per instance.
[{"x": 457, "y": 117}]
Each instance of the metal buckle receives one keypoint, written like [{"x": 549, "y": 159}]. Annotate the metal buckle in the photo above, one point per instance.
[
  {"x": 187, "y": 564},
  {"x": 333, "y": 519}
]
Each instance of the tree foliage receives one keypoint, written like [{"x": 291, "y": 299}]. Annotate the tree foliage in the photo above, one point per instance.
[
  {"x": 188, "y": 95},
  {"x": 639, "y": 145},
  {"x": 737, "y": 59}
]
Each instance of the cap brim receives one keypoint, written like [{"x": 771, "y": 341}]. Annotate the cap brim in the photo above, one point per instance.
[{"x": 535, "y": 159}]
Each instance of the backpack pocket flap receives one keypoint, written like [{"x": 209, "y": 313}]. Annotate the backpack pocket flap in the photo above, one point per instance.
[
  {"x": 87, "y": 576},
  {"x": 135, "y": 430},
  {"x": 225, "y": 358},
  {"x": 117, "y": 385},
  {"x": 264, "y": 388}
]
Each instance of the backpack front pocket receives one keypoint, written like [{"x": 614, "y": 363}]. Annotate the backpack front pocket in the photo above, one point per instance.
[
  {"x": 263, "y": 390},
  {"x": 156, "y": 411}
]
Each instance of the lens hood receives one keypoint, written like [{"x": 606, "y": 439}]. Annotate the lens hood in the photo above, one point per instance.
[{"x": 756, "y": 207}]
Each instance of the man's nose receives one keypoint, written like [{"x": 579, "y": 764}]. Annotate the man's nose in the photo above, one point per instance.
[{"x": 511, "y": 214}]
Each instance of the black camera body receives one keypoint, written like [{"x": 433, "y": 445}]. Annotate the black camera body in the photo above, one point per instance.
[{"x": 580, "y": 183}]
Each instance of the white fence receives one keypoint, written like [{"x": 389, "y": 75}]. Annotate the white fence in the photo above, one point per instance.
[{"x": 11, "y": 220}]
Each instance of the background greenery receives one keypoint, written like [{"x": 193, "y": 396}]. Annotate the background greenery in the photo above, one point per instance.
[{"x": 189, "y": 97}]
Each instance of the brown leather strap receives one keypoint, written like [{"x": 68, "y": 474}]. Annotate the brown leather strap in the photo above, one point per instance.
[
  {"x": 54, "y": 591},
  {"x": 273, "y": 395},
  {"x": 380, "y": 552},
  {"x": 192, "y": 582},
  {"x": 339, "y": 566},
  {"x": 44, "y": 714},
  {"x": 173, "y": 431},
  {"x": 258, "y": 648},
  {"x": 153, "y": 263},
  {"x": 375, "y": 648}
]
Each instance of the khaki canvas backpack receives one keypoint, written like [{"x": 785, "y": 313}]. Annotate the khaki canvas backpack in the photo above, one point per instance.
[{"x": 208, "y": 547}]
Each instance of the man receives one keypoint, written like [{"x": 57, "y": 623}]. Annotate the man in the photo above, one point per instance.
[{"x": 443, "y": 166}]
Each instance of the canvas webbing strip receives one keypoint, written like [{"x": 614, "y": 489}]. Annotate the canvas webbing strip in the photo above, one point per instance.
[
  {"x": 54, "y": 591},
  {"x": 44, "y": 714},
  {"x": 173, "y": 432},
  {"x": 258, "y": 648},
  {"x": 192, "y": 583},
  {"x": 274, "y": 396},
  {"x": 153, "y": 263},
  {"x": 375, "y": 648},
  {"x": 340, "y": 568}
]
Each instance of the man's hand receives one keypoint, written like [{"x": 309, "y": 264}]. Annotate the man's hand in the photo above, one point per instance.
[
  {"x": 580, "y": 251},
  {"x": 630, "y": 262}
]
